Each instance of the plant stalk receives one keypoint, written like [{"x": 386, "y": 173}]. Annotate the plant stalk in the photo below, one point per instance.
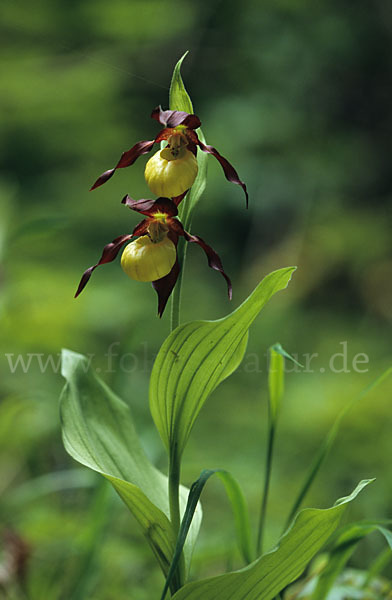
[
  {"x": 174, "y": 504},
  {"x": 176, "y": 295},
  {"x": 174, "y": 487},
  {"x": 266, "y": 486}
]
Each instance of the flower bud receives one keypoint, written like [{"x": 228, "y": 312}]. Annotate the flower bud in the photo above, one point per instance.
[
  {"x": 168, "y": 175},
  {"x": 145, "y": 260}
]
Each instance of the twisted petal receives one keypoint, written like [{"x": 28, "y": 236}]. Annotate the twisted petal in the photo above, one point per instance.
[
  {"x": 151, "y": 207},
  {"x": 109, "y": 253},
  {"x": 129, "y": 157},
  {"x": 173, "y": 118},
  {"x": 164, "y": 287},
  {"x": 176, "y": 228},
  {"x": 230, "y": 172},
  {"x": 213, "y": 259}
]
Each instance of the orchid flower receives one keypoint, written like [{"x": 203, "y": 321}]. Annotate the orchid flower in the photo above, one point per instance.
[
  {"x": 172, "y": 171},
  {"x": 153, "y": 255}
]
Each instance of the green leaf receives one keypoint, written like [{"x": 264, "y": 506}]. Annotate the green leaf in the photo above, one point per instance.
[
  {"x": 196, "y": 357},
  {"x": 241, "y": 517},
  {"x": 275, "y": 389},
  {"x": 272, "y": 572},
  {"x": 276, "y": 378},
  {"x": 98, "y": 432},
  {"x": 343, "y": 548},
  {"x": 179, "y": 99},
  {"x": 178, "y": 96},
  {"x": 275, "y": 383},
  {"x": 192, "y": 198},
  {"x": 278, "y": 348}
]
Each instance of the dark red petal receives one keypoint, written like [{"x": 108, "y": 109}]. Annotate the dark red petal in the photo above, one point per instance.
[
  {"x": 175, "y": 226},
  {"x": 164, "y": 287},
  {"x": 127, "y": 159},
  {"x": 141, "y": 228},
  {"x": 193, "y": 140},
  {"x": 109, "y": 253},
  {"x": 230, "y": 172},
  {"x": 213, "y": 259},
  {"x": 150, "y": 207},
  {"x": 191, "y": 122},
  {"x": 164, "y": 134},
  {"x": 173, "y": 118}
]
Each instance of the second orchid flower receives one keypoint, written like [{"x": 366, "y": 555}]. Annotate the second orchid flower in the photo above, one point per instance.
[{"x": 153, "y": 255}]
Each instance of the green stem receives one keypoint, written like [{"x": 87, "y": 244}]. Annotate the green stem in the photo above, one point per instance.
[
  {"x": 176, "y": 295},
  {"x": 185, "y": 218},
  {"x": 377, "y": 566},
  {"x": 174, "y": 486},
  {"x": 267, "y": 479},
  {"x": 174, "y": 504}
]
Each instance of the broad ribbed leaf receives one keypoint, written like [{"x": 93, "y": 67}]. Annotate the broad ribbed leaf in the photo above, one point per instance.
[
  {"x": 197, "y": 356},
  {"x": 272, "y": 572},
  {"x": 98, "y": 432}
]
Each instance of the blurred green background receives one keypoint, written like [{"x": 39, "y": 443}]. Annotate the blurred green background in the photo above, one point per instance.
[{"x": 297, "y": 95}]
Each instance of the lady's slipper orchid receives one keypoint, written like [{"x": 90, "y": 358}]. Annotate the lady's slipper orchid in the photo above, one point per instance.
[
  {"x": 179, "y": 131},
  {"x": 153, "y": 256},
  {"x": 146, "y": 260},
  {"x": 169, "y": 176}
]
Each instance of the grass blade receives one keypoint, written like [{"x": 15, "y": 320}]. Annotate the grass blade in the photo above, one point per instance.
[
  {"x": 326, "y": 446},
  {"x": 240, "y": 512}
]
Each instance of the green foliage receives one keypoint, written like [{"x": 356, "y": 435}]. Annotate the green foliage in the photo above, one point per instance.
[
  {"x": 179, "y": 98},
  {"x": 98, "y": 432},
  {"x": 240, "y": 513},
  {"x": 268, "y": 575},
  {"x": 196, "y": 357},
  {"x": 276, "y": 86},
  {"x": 352, "y": 583},
  {"x": 342, "y": 549},
  {"x": 275, "y": 383},
  {"x": 277, "y": 354},
  {"x": 326, "y": 445},
  {"x": 275, "y": 392}
]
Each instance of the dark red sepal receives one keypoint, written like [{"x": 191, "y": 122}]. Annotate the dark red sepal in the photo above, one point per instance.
[
  {"x": 164, "y": 287},
  {"x": 127, "y": 159},
  {"x": 213, "y": 259},
  {"x": 141, "y": 206},
  {"x": 230, "y": 172},
  {"x": 109, "y": 253},
  {"x": 173, "y": 118},
  {"x": 150, "y": 207}
]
